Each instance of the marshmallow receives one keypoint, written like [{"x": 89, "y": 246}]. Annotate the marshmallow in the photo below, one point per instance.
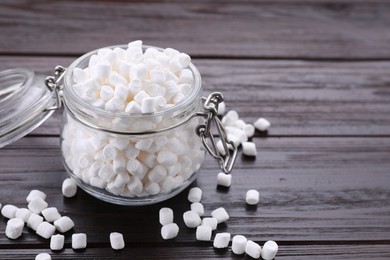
[
  {"x": 252, "y": 197},
  {"x": 135, "y": 186},
  {"x": 34, "y": 221},
  {"x": 210, "y": 222},
  {"x": 51, "y": 214},
  {"x": 37, "y": 204},
  {"x": 152, "y": 188},
  {"x": 79, "y": 241},
  {"x": 270, "y": 248},
  {"x": 23, "y": 214},
  {"x": 45, "y": 230},
  {"x": 221, "y": 240},
  {"x": 158, "y": 173},
  {"x": 253, "y": 249},
  {"x": 191, "y": 219},
  {"x": 249, "y": 149},
  {"x": 79, "y": 75},
  {"x": 14, "y": 228},
  {"x": 203, "y": 233},
  {"x": 115, "y": 104},
  {"x": 133, "y": 108},
  {"x": 224, "y": 179},
  {"x": 43, "y": 256},
  {"x": 221, "y": 108},
  {"x": 69, "y": 187},
  {"x": 169, "y": 231},
  {"x": 195, "y": 195},
  {"x": 220, "y": 214},
  {"x": 184, "y": 59},
  {"x": 121, "y": 179},
  {"x": 249, "y": 130},
  {"x": 166, "y": 158},
  {"x": 116, "y": 240},
  {"x": 239, "y": 244},
  {"x": 198, "y": 208},
  {"x": 186, "y": 76},
  {"x": 230, "y": 118},
  {"x": 166, "y": 216},
  {"x": 106, "y": 92},
  {"x": 262, "y": 124},
  {"x": 57, "y": 242},
  {"x": 64, "y": 224},
  {"x": 148, "y": 105},
  {"x": 35, "y": 193},
  {"x": 9, "y": 211}
]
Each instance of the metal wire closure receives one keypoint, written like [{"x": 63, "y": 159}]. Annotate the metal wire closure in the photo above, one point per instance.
[{"x": 53, "y": 83}]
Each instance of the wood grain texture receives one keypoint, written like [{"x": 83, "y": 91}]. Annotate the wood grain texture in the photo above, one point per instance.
[{"x": 253, "y": 29}]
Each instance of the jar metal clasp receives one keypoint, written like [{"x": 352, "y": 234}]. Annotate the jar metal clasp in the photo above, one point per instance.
[{"x": 53, "y": 84}]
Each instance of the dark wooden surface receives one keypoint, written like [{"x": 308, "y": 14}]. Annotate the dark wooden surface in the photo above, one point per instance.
[{"x": 318, "y": 70}]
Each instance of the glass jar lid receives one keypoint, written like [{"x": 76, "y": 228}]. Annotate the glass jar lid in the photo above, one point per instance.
[{"x": 24, "y": 103}]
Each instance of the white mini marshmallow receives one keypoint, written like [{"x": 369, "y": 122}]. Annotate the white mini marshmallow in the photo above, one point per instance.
[
  {"x": 239, "y": 244},
  {"x": 64, "y": 224},
  {"x": 35, "y": 193},
  {"x": 221, "y": 240},
  {"x": 186, "y": 76},
  {"x": 158, "y": 76},
  {"x": 9, "y": 211},
  {"x": 109, "y": 152},
  {"x": 166, "y": 216},
  {"x": 45, "y": 229},
  {"x": 98, "y": 182},
  {"x": 106, "y": 92},
  {"x": 157, "y": 174},
  {"x": 101, "y": 71},
  {"x": 184, "y": 59},
  {"x": 51, "y": 214},
  {"x": 253, "y": 249},
  {"x": 152, "y": 188},
  {"x": 141, "y": 96},
  {"x": 220, "y": 214},
  {"x": 252, "y": 197},
  {"x": 221, "y": 108},
  {"x": 148, "y": 105},
  {"x": 69, "y": 187},
  {"x": 198, "y": 208},
  {"x": 121, "y": 179},
  {"x": 166, "y": 158},
  {"x": 224, "y": 179},
  {"x": 262, "y": 124},
  {"x": 79, "y": 75},
  {"x": 133, "y": 108},
  {"x": 249, "y": 130},
  {"x": 203, "y": 233},
  {"x": 270, "y": 248},
  {"x": 210, "y": 222},
  {"x": 135, "y": 186},
  {"x": 230, "y": 118},
  {"x": 249, "y": 149},
  {"x": 57, "y": 242},
  {"x": 169, "y": 231},
  {"x": 43, "y": 256},
  {"x": 23, "y": 214},
  {"x": 138, "y": 71},
  {"x": 116, "y": 240},
  {"x": 167, "y": 184},
  {"x": 79, "y": 241},
  {"x": 14, "y": 228},
  {"x": 115, "y": 104},
  {"x": 191, "y": 219},
  {"x": 37, "y": 204},
  {"x": 34, "y": 221},
  {"x": 195, "y": 195}
]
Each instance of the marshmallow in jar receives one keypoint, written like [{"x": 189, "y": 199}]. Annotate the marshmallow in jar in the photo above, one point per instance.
[{"x": 129, "y": 131}]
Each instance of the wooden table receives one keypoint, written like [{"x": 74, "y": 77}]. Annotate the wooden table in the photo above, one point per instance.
[{"x": 318, "y": 70}]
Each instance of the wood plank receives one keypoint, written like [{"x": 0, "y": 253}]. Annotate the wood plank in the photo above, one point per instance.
[
  {"x": 313, "y": 190},
  {"x": 285, "y": 29},
  {"x": 299, "y": 97}
]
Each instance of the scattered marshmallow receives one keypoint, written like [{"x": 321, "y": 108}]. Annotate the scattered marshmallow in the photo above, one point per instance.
[
  {"x": 224, "y": 179},
  {"x": 191, "y": 219},
  {"x": 166, "y": 216},
  {"x": 51, "y": 214},
  {"x": 79, "y": 241},
  {"x": 239, "y": 244},
  {"x": 64, "y": 224},
  {"x": 210, "y": 222},
  {"x": 221, "y": 240},
  {"x": 203, "y": 233},
  {"x": 43, "y": 256},
  {"x": 220, "y": 215},
  {"x": 198, "y": 208},
  {"x": 116, "y": 240},
  {"x": 9, "y": 211},
  {"x": 45, "y": 230},
  {"x": 57, "y": 242},
  {"x": 221, "y": 108},
  {"x": 35, "y": 193},
  {"x": 37, "y": 204},
  {"x": 69, "y": 187},
  {"x": 252, "y": 197},
  {"x": 34, "y": 221},
  {"x": 262, "y": 124},
  {"x": 14, "y": 228},
  {"x": 270, "y": 248},
  {"x": 195, "y": 195},
  {"x": 23, "y": 214},
  {"x": 249, "y": 148},
  {"x": 253, "y": 249},
  {"x": 169, "y": 231}
]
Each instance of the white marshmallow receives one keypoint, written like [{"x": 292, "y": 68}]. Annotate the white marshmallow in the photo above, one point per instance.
[
  {"x": 195, "y": 195},
  {"x": 116, "y": 240},
  {"x": 144, "y": 144},
  {"x": 45, "y": 229},
  {"x": 239, "y": 244},
  {"x": 101, "y": 71},
  {"x": 224, "y": 179},
  {"x": 270, "y": 248},
  {"x": 115, "y": 104},
  {"x": 221, "y": 108},
  {"x": 191, "y": 219},
  {"x": 167, "y": 184},
  {"x": 169, "y": 231},
  {"x": 34, "y": 221},
  {"x": 79, "y": 75},
  {"x": 230, "y": 118},
  {"x": 135, "y": 86},
  {"x": 109, "y": 152},
  {"x": 37, "y": 204},
  {"x": 135, "y": 186},
  {"x": 166, "y": 216},
  {"x": 184, "y": 59},
  {"x": 79, "y": 241},
  {"x": 262, "y": 124},
  {"x": 64, "y": 224},
  {"x": 152, "y": 188},
  {"x": 51, "y": 214},
  {"x": 203, "y": 233},
  {"x": 23, "y": 214},
  {"x": 14, "y": 228},
  {"x": 198, "y": 208},
  {"x": 186, "y": 76},
  {"x": 170, "y": 52},
  {"x": 158, "y": 76},
  {"x": 121, "y": 92},
  {"x": 253, "y": 249},
  {"x": 148, "y": 105},
  {"x": 106, "y": 172},
  {"x": 220, "y": 214},
  {"x": 157, "y": 174},
  {"x": 166, "y": 158},
  {"x": 121, "y": 179},
  {"x": 115, "y": 79},
  {"x": 9, "y": 211},
  {"x": 249, "y": 130},
  {"x": 98, "y": 182},
  {"x": 175, "y": 65},
  {"x": 138, "y": 71},
  {"x": 57, "y": 242},
  {"x": 35, "y": 193},
  {"x": 119, "y": 143},
  {"x": 136, "y": 168},
  {"x": 133, "y": 108},
  {"x": 210, "y": 222},
  {"x": 249, "y": 149},
  {"x": 43, "y": 256},
  {"x": 221, "y": 240},
  {"x": 155, "y": 90},
  {"x": 69, "y": 187},
  {"x": 252, "y": 197}
]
